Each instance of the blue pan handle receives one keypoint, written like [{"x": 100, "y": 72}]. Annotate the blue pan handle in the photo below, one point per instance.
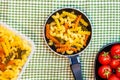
[{"x": 76, "y": 67}]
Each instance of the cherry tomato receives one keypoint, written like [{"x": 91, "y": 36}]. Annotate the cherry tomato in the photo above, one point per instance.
[
  {"x": 104, "y": 58},
  {"x": 114, "y": 63},
  {"x": 115, "y": 51},
  {"x": 118, "y": 71},
  {"x": 104, "y": 71},
  {"x": 113, "y": 77}
]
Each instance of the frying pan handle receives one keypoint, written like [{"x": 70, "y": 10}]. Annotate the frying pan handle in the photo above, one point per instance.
[{"x": 76, "y": 67}]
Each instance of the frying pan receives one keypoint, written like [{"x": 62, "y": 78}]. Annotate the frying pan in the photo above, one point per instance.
[
  {"x": 74, "y": 58},
  {"x": 105, "y": 48}
]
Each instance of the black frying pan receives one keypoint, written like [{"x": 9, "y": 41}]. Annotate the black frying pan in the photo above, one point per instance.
[
  {"x": 106, "y": 48},
  {"x": 74, "y": 58}
]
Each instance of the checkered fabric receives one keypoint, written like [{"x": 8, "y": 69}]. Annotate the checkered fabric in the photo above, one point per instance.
[{"x": 29, "y": 16}]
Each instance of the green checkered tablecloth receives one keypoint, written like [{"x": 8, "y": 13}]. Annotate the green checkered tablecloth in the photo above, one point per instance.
[{"x": 28, "y": 17}]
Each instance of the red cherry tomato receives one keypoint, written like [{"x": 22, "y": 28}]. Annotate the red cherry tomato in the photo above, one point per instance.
[
  {"x": 114, "y": 63},
  {"x": 113, "y": 77},
  {"x": 115, "y": 51},
  {"x": 118, "y": 71},
  {"x": 104, "y": 58},
  {"x": 104, "y": 71}
]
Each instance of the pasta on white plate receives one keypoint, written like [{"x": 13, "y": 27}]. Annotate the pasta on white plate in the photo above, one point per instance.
[
  {"x": 69, "y": 31},
  {"x": 14, "y": 51}
]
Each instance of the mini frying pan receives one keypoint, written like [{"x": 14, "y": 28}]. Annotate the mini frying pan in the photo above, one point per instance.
[
  {"x": 105, "y": 48},
  {"x": 74, "y": 58}
]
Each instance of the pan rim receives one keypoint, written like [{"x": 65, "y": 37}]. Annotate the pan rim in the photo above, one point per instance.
[{"x": 70, "y": 54}]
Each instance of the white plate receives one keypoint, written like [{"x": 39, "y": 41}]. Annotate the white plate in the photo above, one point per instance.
[{"x": 25, "y": 38}]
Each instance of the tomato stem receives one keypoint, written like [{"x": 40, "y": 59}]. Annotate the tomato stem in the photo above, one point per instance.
[
  {"x": 118, "y": 69},
  {"x": 107, "y": 73},
  {"x": 105, "y": 54}
]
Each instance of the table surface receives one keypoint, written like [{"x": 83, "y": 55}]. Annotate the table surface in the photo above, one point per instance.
[{"x": 28, "y": 17}]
